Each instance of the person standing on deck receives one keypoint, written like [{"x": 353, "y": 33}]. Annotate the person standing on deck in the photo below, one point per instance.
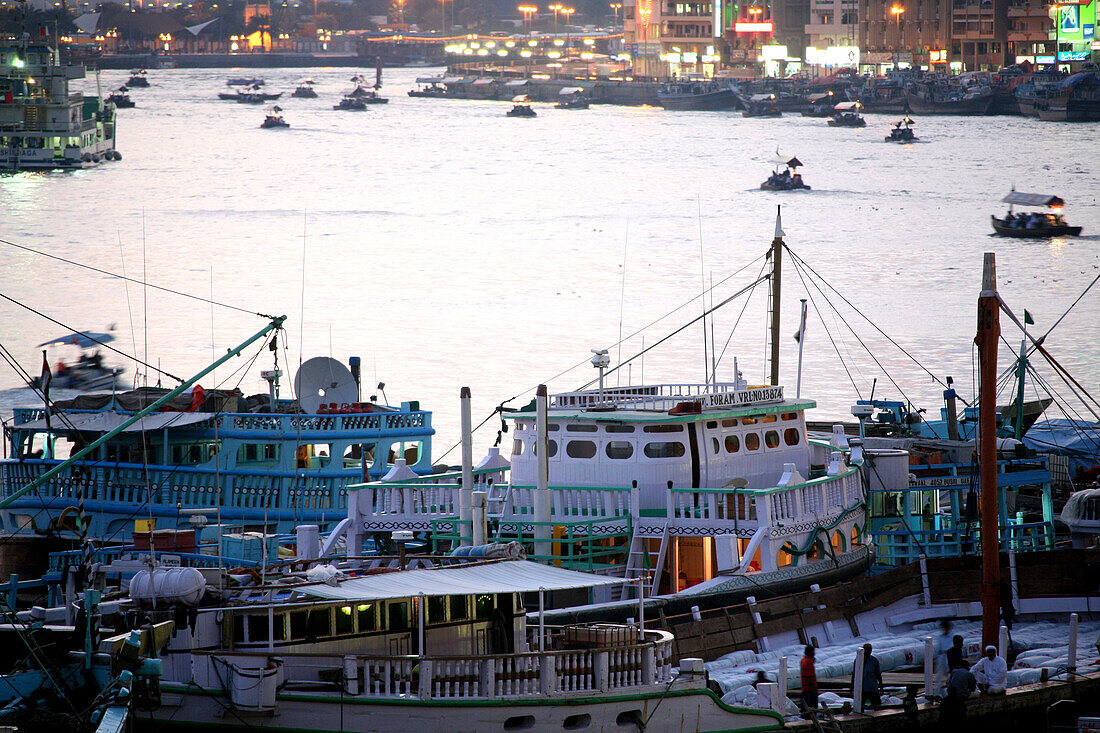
[
  {"x": 956, "y": 655},
  {"x": 872, "y": 679},
  {"x": 943, "y": 644},
  {"x": 809, "y": 678}
]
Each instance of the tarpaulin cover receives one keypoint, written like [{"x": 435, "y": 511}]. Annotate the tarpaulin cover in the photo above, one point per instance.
[{"x": 102, "y": 422}]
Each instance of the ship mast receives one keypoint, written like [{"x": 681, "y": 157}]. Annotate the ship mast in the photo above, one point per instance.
[
  {"x": 776, "y": 254},
  {"x": 989, "y": 331}
]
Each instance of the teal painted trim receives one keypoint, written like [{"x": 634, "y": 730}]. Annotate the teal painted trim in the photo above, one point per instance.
[
  {"x": 818, "y": 530},
  {"x": 628, "y": 415},
  {"x": 556, "y": 702}
]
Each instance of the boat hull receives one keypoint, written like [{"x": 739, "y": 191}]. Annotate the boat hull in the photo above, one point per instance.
[
  {"x": 690, "y": 710},
  {"x": 708, "y": 101},
  {"x": 772, "y": 187},
  {"x": 1038, "y": 233},
  {"x": 974, "y": 106}
]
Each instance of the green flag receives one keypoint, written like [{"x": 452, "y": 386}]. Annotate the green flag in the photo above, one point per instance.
[{"x": 1028, "y": 319}]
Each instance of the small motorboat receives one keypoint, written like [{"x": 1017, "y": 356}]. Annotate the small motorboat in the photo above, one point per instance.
[
  {"x": 431, "y": 87},
  {"x": 785, "y": 177},
  {"x": 366, "y": 95},
  {"x": 819, "y": 105},
  {"x": 137, "y": 79},
  {"x": 86, "y": 373},
  {"x": 572, "y": 98},
  {"x": 249, "y": 95},
  {"x": 902, "y": 131},
  {"x": 348, "y": 103},
  {"x": 120, "y": 99},
  {"x": 1033, "y": 224},
  {"x": 274, "y": 119},
  {"x": 305, "y": 90},
  {"x": 521, "y": 107},
  {"x": 762, "y": 105},
  {"x": 846, "y": 114}
]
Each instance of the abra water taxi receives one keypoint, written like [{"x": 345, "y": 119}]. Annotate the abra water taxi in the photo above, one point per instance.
[
  {"x": 785, "y": 177},
  {"x": 521, "y": 107},
  {"x": 572, "y": 98},
  {"x": 1033, "y": 224},
  {"x": 902, "y": 131},
  {"x": 87, "y": 372},
  {"x": 305, "y": 90},
  {"x": 274, "y": 119},
  {"x": 846, "y": 114},
  {"x": 44, "y": 125}
]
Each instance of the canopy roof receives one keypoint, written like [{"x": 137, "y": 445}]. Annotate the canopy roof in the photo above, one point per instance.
[
  {"x": 505, "y": 576},
  {"x": 571, "y": 90},
  {"x": 516, "y": 83},
  {"x": 426, "y": 79},
  {"x": 1032, "y": 199},
  {"x": 761, "y": 97},
  {"x": 847, "y": 106},
  {"x": 787, "y": 160},
  {"x": 83, "y": 339},
  {"x": 101, "y": 422}
]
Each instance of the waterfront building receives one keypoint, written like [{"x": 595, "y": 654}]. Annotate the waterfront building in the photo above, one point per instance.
[
  {"x": 833, "y": 23},
  {"x": 903, "y": 33}
]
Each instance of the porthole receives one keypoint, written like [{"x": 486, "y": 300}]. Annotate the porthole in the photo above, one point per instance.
[
  {"x": 664, "y": 450},
  {"x": 577, "y": 722},
  {"x": 519, "y": 722},
  {"x": 619, "y": 449},
  {"x": 733, "y": 444},
  {"x": 580, "y": 449},
  {"x": 752, "y": 441},
  {"x": 630, "y": 719},
  {"x": 792, "y": 436},
  {"x": 771, "y": 439}
]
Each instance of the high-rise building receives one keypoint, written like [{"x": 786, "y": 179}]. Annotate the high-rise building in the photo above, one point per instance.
[
  {"x": 979, "y": 34},
  {"x": 912, "y": 32}
]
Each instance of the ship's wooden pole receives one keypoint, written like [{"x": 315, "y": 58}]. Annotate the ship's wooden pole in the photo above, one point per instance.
[
  {"x": 777, "y": 271},
  {"x": 989, "y": 331}
]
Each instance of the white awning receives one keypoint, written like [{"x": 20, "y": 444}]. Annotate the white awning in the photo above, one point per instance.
[
  {"x": 505, "y": 576},
  {"x": 516, "y": 83},
  {"x": 847, "y": 106},
  {"x": 450, "y": 80},
  {"x": 1032, "y": 199},
  {"x": 431, "y": 79},
  {"x": 483, "y": 81},
  {"x": 571, "y": 90},
  {"x": 102, "y": 422}
]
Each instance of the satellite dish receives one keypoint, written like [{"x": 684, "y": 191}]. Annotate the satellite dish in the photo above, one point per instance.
[{"x": 322, "y": 380}]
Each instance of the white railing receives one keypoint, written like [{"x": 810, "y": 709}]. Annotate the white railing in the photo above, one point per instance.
[
  {"x": 503, "y": 676},
  {"x": 414, "y": 500},
  {"x": 664, "y": 396},
  {"x": 711, "y": 506},
  {"x": 572, "y": 503},
  {"x": 815, "y": 498}
]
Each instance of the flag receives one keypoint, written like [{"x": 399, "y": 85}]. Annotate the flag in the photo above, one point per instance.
[
  {"x": 47, "y": 376},
  {"x": 1028, "y": 319}
]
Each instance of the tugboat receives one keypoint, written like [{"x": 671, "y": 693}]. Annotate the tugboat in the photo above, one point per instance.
[
  {"x": 274, "y": 119},
  {"x": 137, "y": 79},
  {"x": 762, "y": 105},
  {"x": 119, "y": 98},
  {"x": 305, "y": 90},
  {"x": 785, "y": 178},
  {"x": 44, "y": 123},
  {"x": 521, "y": 107},
  {"x": 846, "y": 114},
  {"x": 902, "y": 132},
  {"x": 1033, "y": 224},
  {"x": 572, "y": 98}
]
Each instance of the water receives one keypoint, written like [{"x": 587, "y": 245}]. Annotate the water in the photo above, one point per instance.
[{"x": 449, "y": 245}]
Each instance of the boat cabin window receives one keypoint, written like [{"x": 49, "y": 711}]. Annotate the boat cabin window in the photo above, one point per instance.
[
  {"x": 398, "y": 614},
  {"x": 730, "y": 423},
  {"x": 411, "y": 452},
  {"x": 620, "y": 428},
  {"x": 771, "y": 439},
  {"x": 458, "y": 608},
  {"x": 368, "y": 616},
  {"x": 769, "y": 418},
  {"x": 483, "y": 605},
  {"x": 552, "y": 427},
  {"x": 790, "y": 416},
  {"x": 712, "y": 424},
  {"x": 581, "y": 428},
  {"x": 664, "y": 450},
  {"x": 313, "y": 455},
  {"x": 792, "y": 436},
  {"x": 257, "y": 627},
  {"x": 320, "y": 622},
  {"x": 188, "y": 454},
  {"x": 345, "y": 621},
  {"x": 517, "y": 447},
  {"x": 752, "y": 441},
  {"x": 437, "y": 609},
  {"x": 748, "y": 421},
  {"x": 619, "y": 449},
  {"x": 257, "y": 452},
  {"x": 551, "y": 448},
  {"x": 299, "y": 624},
  {"x": 715, "y": 445},
  {"x": 733, "y": 444},
  {"x": 856, "y": 539},
  {"x": 673, "y": 428},
  {"x": 580, "y": 449}
]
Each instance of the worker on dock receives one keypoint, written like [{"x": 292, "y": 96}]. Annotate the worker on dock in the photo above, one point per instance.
[
  {"x": 991, "y": 672},
  {"x": 872, "y": 678},
  {"x": 956, "y": 655},
  {"x": 809, "y": 678}
]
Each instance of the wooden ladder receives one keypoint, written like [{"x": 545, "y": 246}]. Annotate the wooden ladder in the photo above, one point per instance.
[{"x": 824, "y": 722}]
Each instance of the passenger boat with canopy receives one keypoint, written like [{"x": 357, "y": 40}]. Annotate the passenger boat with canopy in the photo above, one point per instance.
[
  {"x": 1033, "y": 224},
  {"x": 846, "y": 114},
  {"x": 785, "y": 177},
  {"x": 521, "y": 107},
  {"x": 902, "y": 131}
]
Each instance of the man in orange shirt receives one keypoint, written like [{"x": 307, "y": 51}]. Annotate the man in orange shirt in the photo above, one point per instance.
[{"x": 809, "y": 678}]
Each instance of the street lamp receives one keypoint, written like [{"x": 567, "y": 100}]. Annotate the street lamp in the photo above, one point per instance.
[
  {"x": 645, "y": 13},
  {"x": 615, "y": 8},
  {"x": 897, "y": 10},
  {"x": 556, "y": 7},
  {"x": 528, "y": 12},
  {"x": 568, "y": 13}
]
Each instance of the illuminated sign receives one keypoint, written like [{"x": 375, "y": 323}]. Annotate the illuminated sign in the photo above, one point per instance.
[
  {"x": 716, "y": 21},
  {"x": 773, "y": 53},
  {"x": 1073, "y": 55},
  {"x": 1044, "y": 59},
  {"x": 937, "y": 57},
  {"x": 1069, "y": 20},
  {"x": 1096, "y": 45},
  {"x": 833, "y": 56},
  {"x": 746, "y": 27}
]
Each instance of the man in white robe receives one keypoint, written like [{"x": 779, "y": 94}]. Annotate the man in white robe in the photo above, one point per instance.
[{"x": 991, "y": 672}]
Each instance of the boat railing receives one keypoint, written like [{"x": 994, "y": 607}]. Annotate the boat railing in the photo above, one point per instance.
[
  {"x": 58, "y": 561},
  {"x": 899, "y": 545},
  {"x": 662, "y": 397},
  {"x": 274, "y": 426},
  {"x": 529, "y": 674},
  {"x": 572, "y": 503}
]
